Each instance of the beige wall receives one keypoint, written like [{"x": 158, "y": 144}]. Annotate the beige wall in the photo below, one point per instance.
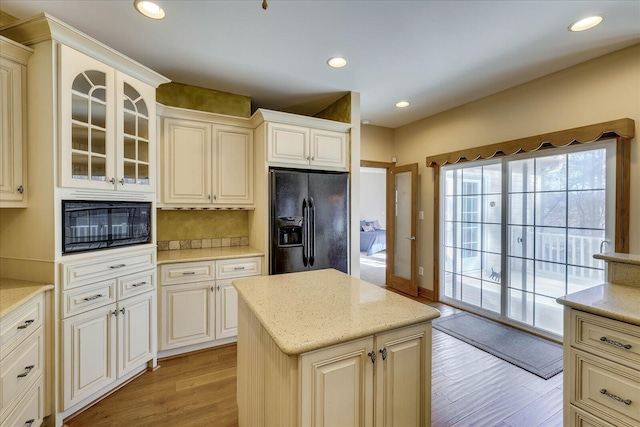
[
  {"x": 377, "y": 143},
  {"x": 203, "y": 99},
  {"x": 603, "y": 89}
]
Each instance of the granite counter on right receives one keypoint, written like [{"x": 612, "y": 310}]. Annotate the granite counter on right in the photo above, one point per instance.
[{"x": 602, "y": 348}]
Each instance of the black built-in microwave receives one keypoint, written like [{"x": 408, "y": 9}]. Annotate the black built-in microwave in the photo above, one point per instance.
[{"x": 96, "y": 225}]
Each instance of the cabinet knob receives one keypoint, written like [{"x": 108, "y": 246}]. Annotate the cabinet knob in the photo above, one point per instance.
[
  {"x": 215, "y": 197},
  {"x": 121, "y": 181},
  {"x": 122, "y": 311},
  {"x": 218, "y": 287},
  {"x": 21, "y": 189},
  {"x": 29, "y": 423},
  {"x": 112, "y": 181},
  {"x": 212, "y": 289},
  {"x": 372, "y": 355},
  {"x": 115, "y": 313}
]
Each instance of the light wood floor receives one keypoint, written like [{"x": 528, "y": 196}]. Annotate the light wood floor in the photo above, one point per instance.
[{"x": 469, "y": 388}]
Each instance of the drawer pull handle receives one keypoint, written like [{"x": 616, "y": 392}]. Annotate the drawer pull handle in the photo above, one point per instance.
[
  {"x": 93, "y": 297},
  {"x": 29, "y": 423},
  {"x": 117, "y": 266},
  {"x": 614, "y": 397},
  {"x": 138, "y": 284},
  {"x": 238, "y": 268},
  {"x": 188, "y": 273},
  {"x": 615, "y": 343},
  {"x": 26, "y": 324},
  {"x": 27, "y": 369}
]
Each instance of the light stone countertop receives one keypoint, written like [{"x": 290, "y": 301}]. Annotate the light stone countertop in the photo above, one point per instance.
[
  {"x": 14, "y": 293},
  {"x": 618, "y": 302},
  {"x": 316, "y": 309},
  {"x": 633, "y": 259},
  {"x": 207, "y": 254}
]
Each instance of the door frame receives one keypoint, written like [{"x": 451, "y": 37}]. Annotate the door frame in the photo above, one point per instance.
[{"x": 387, "y": 166}]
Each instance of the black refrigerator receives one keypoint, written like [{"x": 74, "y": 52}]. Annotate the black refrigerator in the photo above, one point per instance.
[{"x": 309, "y": 221}]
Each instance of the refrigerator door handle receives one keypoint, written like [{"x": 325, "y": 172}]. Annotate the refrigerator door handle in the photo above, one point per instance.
[
  {"x": 312, "y": 233},
  {"x": 305, "y": 232}
]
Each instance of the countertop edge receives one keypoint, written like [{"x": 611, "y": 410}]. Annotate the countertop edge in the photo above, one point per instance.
[
  {"x": 312, "y": 346},
  {"x": 34, "y": 291},
  {"x": 610, "y": 312},
  {"x": 194, "y": 257}
]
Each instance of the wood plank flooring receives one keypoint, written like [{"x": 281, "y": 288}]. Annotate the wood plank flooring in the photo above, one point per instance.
[{"x": 469, "y": 388}]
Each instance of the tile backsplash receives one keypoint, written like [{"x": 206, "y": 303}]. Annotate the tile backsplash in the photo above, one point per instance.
[{"x": 171, "y": 245}]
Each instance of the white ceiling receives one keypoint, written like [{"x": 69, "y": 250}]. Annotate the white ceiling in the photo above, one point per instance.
[{"x": 435, "y": 54}]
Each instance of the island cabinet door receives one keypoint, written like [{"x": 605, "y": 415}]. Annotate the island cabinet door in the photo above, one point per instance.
[
  {"x": 337, "y": 385},
  {"x": 403, "y": 377}
]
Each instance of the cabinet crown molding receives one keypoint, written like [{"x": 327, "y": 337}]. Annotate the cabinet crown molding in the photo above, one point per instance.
[
  {"x": 44, "y": 27},
  {"x": 14, "y": 51},
  {"x": 262, "y": 115}
]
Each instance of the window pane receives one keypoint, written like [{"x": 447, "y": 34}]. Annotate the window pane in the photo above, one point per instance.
[
  {"x": 551, "y": 244},
  {"x": 551, "y": 173},
  {"x": 521, "y": 176},
  {"x": 548, "y": 314},
  {"x": 471, "y": 291},
  {"x": 492, "y": 238},
  {"x": 581, "y": 245},
  {"x": 551, "y": 209},
  {"x": 550, "y": 279},
  {"x": 492, "y": 206},
  {"x": 471, "y": 179},
  {"x": 521, "y": 306},
  {"x": 521, "y": 274},
  {"x": 587, "y": 209},
  {"x": 587, "y": 170},
  {"x": 492, "y": 179},
  {"x": 521, "y": 209},
  {"x": 520, "y": 241},
  {"x": 491, "y": 296}
]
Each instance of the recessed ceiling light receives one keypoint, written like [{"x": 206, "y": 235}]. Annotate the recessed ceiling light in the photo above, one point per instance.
[
  {"x": 586, "y": 23},
  {"x": 403, "y": 104},
  {"x": 336, "y": 62},
  {"x": 149, "y": 9}
]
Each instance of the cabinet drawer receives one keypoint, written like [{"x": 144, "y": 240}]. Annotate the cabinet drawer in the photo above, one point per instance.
[
  {"x": 186, "y": 272},
  {"x": 19, "y": 368},
  {"x": 606, "y": 389},
  {"x": 88, "y": 297},
  {"x": 29, "y": 411},
  {"x": 136, "y": 284},
  {"x": 240, "y": 267},
  {"x": 615, "y": 340},
  {"x": 583, "y": 419},
  {"x": 17, "y": 325},
  {"x": 80, "y": 273}
]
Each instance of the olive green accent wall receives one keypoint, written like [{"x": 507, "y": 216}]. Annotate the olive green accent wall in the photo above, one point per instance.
[
  {"x": 202, "y": 99},
  {"x": 6, "y": 18},
  {"x": 183, "y": 225},
  {"x": 339, "y": 111}
]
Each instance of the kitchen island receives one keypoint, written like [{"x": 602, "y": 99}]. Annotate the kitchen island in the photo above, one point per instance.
[{"x": 324, "y": 348}]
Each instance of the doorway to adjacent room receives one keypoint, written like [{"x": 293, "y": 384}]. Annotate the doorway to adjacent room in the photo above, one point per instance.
[{"x": 373, "y": 234}]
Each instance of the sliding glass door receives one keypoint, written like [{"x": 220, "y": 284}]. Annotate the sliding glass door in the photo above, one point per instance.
[{"x": 518, "y": 232}]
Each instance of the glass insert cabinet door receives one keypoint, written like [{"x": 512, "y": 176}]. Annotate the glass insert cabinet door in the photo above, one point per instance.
[
  {"x": 107, "y": 126},
  {"x": 87, "y": 121}
]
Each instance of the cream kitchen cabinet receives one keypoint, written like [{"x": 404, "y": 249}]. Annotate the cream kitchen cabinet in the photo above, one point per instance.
[
  {"x": 13, "y": 108},
  {"x": 356, "y": 383},
  {"x": 22, "y": 364},
  {"x": 603, "y": 370},
  {"x": 109, "y": 315},
  {"x": 198, "y": 303},
  {"x": 205, "y": 164},
  {"x": 107, "y": 126},
  {"x": 306, "y": 147},
  {"x": 104, "y": 344}
]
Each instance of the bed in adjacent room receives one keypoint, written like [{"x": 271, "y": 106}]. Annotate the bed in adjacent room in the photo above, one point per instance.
[{"x": 373, "y": 239}]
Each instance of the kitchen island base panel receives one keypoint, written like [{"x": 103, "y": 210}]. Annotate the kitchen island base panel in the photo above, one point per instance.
[{"x": 314, "y": 388}]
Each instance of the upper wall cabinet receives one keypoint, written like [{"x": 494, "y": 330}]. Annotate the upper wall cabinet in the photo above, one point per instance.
[
  {"x": 294, "y": 141},
  {"x": 303, "y": 146},
  {"x": 13, "y": 153},
  {"x": 205, "y": 163},
  {"x": 107, "y": 126}
]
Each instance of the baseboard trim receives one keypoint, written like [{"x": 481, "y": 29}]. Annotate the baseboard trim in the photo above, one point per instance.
[{"x": 426, "y": 293}]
